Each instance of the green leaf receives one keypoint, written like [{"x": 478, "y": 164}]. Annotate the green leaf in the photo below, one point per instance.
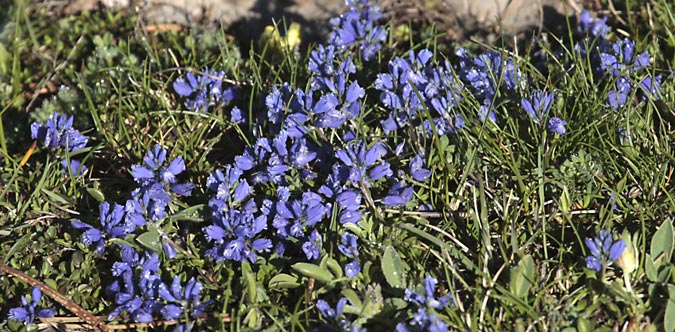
[
  {"x": 284, "y": 281},
  {"x": 250, "y": 281},
  {"x": 669, "y": 317},
  {"x": 392, "y": 267},
  {"x": 150, "y": 240},
  {"x": 334, "y": 266},
  {"x": 650, "y": 268},
  {"x": 353, "y": 298},
  {"x": 96, "y": 194},
  {"x": 662, "y": 242},
  {"x": 194, "y": 213},
  {"x": 522, "y": 277},
  {"x": 373, "y": 302},
  {"x": 584, "y": 325},
  {"x": 313, "y": 271}
]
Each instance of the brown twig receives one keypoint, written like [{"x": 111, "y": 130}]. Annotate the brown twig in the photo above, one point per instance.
[{"x": 73, "y": 307}]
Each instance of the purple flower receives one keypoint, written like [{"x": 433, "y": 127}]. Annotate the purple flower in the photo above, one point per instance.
[
  {"x": 603, "y": 250},
  {"x": 352, "y": 269},
  {"x": 27, "y": 312},
  {"x": 399, "y": 195},
  {"x": 357, "y": 27},
  {"x": 557, "y": 125},
  {"x": 617, "y": 98},
  {"x": 136, "y": 289},
  {"x": 417, "y": 170},
  {"x": 334, "y": 319},
  {"x": 597, "y": 28},
  {"x": 73, "y": 167},
  {"x": 424, "y": 318},
  {"x": 156, "y": 179},
  {"x": 357, "y": 159},
  {"x": 58, "y": 132},
  {"x": 651, "y": 87},
  {"x": 538, "y": 105},
  {"x": 312, "y": 247},
  {"x": 235, "y": 115},
  {"x": 181, "y": 298},
  {"x": 204, "y": 91},
  {"x": 113, "y": 223},
  {"x": 348, "y": 246}
]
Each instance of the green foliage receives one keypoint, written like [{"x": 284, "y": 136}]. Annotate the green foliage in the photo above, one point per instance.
[{"x": 514, "y": 203}]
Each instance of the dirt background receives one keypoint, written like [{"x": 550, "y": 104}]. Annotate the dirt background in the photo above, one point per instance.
[{"x": 459, "y": 18}]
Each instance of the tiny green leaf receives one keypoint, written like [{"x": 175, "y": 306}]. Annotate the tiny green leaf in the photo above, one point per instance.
[
  {"x": 283, "y": 281},
  {"x": 150, "y": 240},
  {"x": 96, "y": 194},
  {"x": 392, "y": 267},
  {"x": 662, "y": 242},
  {"x": 522, "y": 277},
  {"x": 313, "y": 271},
  {"x": 669, "y": 317}
]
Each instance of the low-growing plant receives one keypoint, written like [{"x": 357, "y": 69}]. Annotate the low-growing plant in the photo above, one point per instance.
[{"x": 174, "y": 184}]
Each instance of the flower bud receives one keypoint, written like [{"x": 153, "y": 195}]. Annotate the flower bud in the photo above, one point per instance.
[{"x": 628, "y": 260}]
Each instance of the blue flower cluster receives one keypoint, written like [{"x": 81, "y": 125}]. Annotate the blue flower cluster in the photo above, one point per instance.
[
  {"x": 357, "y": 27},
  {"x": 312, "y": 173},
  {"x": 150, "y": 201},
  {"x": 29, "y": 310},
  {"x": 58, "y": 132},
  {"x": 205, "y": 90},
  {"x": 138, "y": 289},
  {"x": 424, "y": 318},
  {"x": 140, "y": 292},
  {"x": 334, "y": 319},
  {"x": 157, "y": 180},
  {"x": 604, "y": 250},
  {"x": 617, "y": 63}
]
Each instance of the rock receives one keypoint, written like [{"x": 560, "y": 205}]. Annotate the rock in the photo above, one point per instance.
[{"x": 249, "y": 17}]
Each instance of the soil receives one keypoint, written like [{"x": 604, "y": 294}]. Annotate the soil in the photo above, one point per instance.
[{"x": 461, "y": 19}]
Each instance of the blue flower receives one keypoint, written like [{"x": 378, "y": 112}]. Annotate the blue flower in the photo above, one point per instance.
[
  {"x": 424, "y": 318},
  {"x": 204, "y": 91},
  {"x": 29, "y": 310},
  {"x": 352, "y": 269},
  {"x": 73, "y": 167},
  {"x": 136, "y": 289},
  {"x": 417, "y": 170},
  {"x": 399, "y": 195},
  {"x": 597, "y": 28},
  {"x": 114, "y": 225},
  {"x": 334, "y": 319},
  {"x": 312, "y": 247},
  {"x": 603, "y": 250},
  {"x": 57, "y": 132},
  {"x": 348, "y": 246},
  {"x": 557, "y": 125},
  {"x": 357, "y": 159},
  {"x": 617, "y": 98},
  {"x": 651, "y": 87},
  {"x": 181, "y": 299},
  {"x": 357, "y": 27},
  {"x": 156, "y": 179},
  {"x": 538, "y": 105}
]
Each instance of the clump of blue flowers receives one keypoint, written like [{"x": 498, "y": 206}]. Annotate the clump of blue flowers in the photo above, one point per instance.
[
  {"x": 358, "y": 27},
  {"x": 139, "y": 291},
  {"x": 334, "y": 318},
  {"x": 604, "y": 250},
  {"x": 157, "y": 180},
  {"x": 29, "y": 309},
  {"x": 204, "y": 91},
  {"x": 427, "y": 304},
  {"x": 58, "y": 133}
]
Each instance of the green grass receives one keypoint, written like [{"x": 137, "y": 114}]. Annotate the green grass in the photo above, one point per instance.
[{"x": 512, "y": 203}]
